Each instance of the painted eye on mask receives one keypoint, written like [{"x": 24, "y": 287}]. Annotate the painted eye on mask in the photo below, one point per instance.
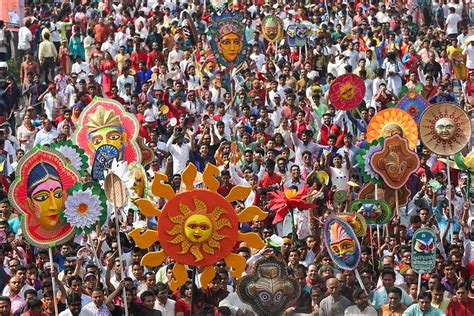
[{"x": 264, "y": 296}]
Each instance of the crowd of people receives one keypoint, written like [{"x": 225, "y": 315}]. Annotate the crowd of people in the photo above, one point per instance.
[{"x": 269, "y": 125}]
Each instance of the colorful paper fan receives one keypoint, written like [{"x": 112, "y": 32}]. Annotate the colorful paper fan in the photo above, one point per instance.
[
  {"x": 283, "y": 201},
  {"x": 357, "y": 222},
  {"x": 322, "y": 177},
  {"x": 341, "y": 243},
  {"x": 272, "y": 28},
  {"x": 74, "y": 155},
  {"x": 391, "y": 122},
  {"x": 38, "y": 194},
  {"x": 106, "y": 131},
  {"x": 395, "y": 162},
  {"x": 85, "y": 207},
  {"x": 269, "y": 289},
  {"x": 445, "y": 128},
  {"x": 374, "y": 212},
  {"x": 414, "y": 104},
  {"x": 363, "y": 158},
  {"x": 197, "y": 227},
  {"x": 347, "y": 92}
]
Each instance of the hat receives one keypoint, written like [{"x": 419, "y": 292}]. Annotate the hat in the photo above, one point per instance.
[
  {"x": 30, "y": 107},
  {"x": 89, "y": 275},
  {"x": 90, "y": 74},
  {"x": 51, "y": 86}
]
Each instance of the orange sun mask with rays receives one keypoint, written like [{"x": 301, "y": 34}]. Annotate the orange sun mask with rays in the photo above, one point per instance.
[
  {"x": 347, "y": 91},
  {"x": 197, "y": 226}
]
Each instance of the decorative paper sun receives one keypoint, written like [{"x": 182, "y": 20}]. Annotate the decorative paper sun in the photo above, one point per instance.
[
  {"x": 391, "y": 122},
  {"x": 445, "y": 128},
  {"x": 347, "y": 91},
  {"x": 197, "y": 227}
]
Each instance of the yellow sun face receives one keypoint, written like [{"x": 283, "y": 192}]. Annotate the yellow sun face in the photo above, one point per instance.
[
  {"x": 391, "y": 122},
  {"x": 197, "y": 227},
  {"x": 195, "y": 230}
]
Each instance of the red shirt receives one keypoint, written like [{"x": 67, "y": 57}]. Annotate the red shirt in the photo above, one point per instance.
[
  {"x": 456, "y": 308},
  {"x": 269, "y": 180}
]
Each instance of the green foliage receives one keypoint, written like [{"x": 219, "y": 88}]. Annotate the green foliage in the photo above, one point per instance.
[{"x": 14, "y": 69}]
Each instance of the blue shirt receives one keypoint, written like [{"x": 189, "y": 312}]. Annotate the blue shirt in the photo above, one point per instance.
[
  {"x": 415, "y": 310},
  {"x": 142, "y": 77},
  {"x": 381, "y": 298}
]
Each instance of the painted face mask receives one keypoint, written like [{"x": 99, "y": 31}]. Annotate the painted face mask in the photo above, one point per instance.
[
  {"x": 228, "y": 42},
  {"x": 396, "y": 162},
  {"x": 272, "y": 28},
  {"x": 106, "y": 132},
  {"x": 269, "y": 290},
  {"x": 374, "y": 212},
  {"x": 39, "y": 193},
  {"x": 423, "y": 250},
  {"x": 445, "y": 128},
  {"x": 341, "y": 243}
]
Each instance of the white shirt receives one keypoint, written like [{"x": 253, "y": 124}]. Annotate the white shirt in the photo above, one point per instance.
[
  {"x": 167, "y": 309},
  {"x": 46, "y": 138},
  {"x": 355, "y": 311},
  {"x": 92, "y": 310},
  {"x": 81, "y": 70},
  {"x": 121, "y": 81},
  {"x": 452, "y": 23},
  {"x": 469, "y": 51},
  {"x": 339, "y": 177},
  {"x": 67, "y": 312},
  {"x": 180, "y": 154},
  {"x": 24, "y": 38}
]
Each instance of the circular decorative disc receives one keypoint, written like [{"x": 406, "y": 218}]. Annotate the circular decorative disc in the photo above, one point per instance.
[
  {"x": 341, "y": 196},
  {"x": 346, "y": 92},
  {"x": 391, "y": 122},
  {"x": 445, "y": 128},
  {"x": 198, "y": 227}
]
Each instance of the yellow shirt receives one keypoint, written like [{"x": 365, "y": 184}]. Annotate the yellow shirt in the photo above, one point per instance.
[
  {"x": 385, "y": 310},
  {"x": 46, "y": 49},
  {"x": 451, "y": 50},
  {"x": 443, "y": 306},
  {"x": 120, "y": 61}
]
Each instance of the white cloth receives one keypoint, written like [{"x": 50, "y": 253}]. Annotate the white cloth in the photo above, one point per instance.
[
  {"x": 355, "y": 311},
  {"x": 180, "y": 154},
  {"x": 452, "y": 23},
  {"x": 166, "y": 310},
  {"x": 469, "y": 52},
  {"x": 24, "y": 38},
  {"x": 46, "y": 138}
]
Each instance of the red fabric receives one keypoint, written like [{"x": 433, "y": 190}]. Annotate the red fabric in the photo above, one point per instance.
[
  {"x": 456, "y": 308},
  {"x": 269, "y": 180}
]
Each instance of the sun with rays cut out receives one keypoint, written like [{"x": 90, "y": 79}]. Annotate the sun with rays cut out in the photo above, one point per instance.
[{"x": 197, "y": 226}]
